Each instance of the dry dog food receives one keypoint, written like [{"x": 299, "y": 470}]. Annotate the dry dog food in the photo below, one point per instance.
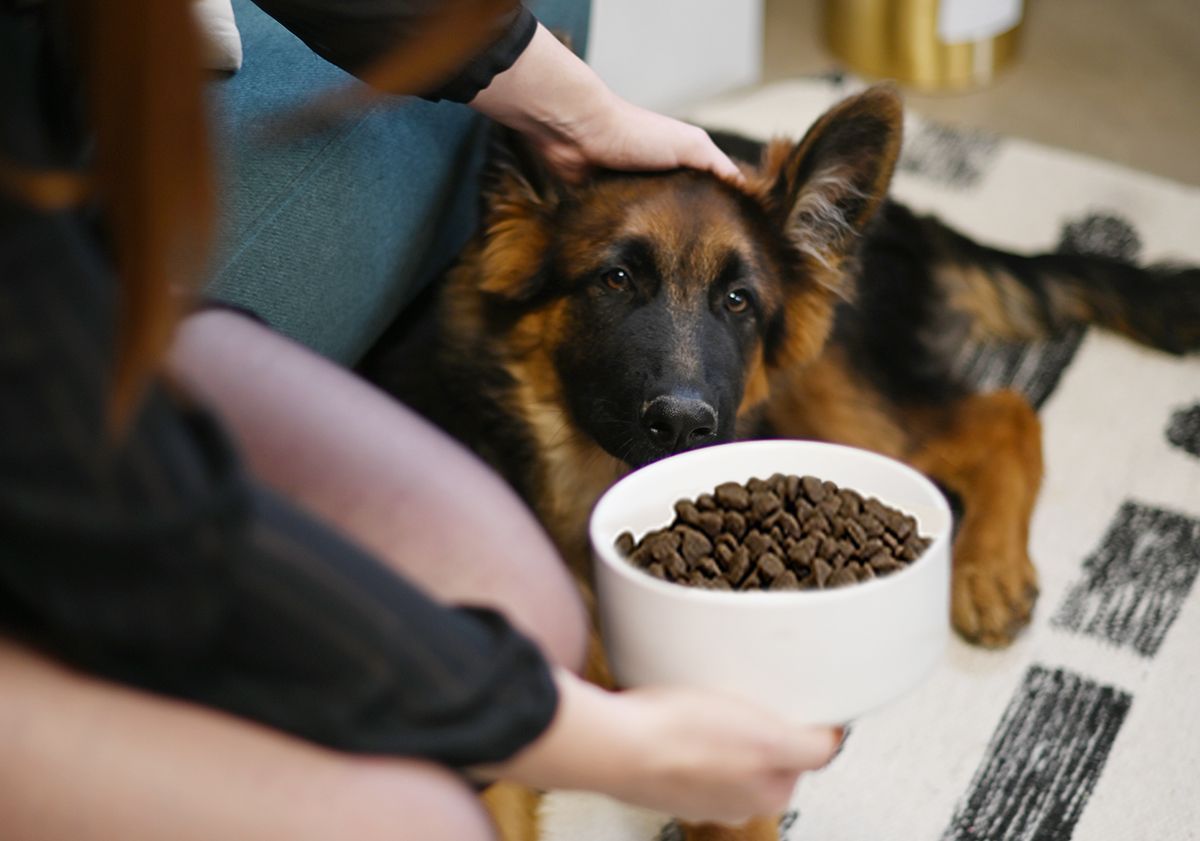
[{"x": 782, "y": 533}]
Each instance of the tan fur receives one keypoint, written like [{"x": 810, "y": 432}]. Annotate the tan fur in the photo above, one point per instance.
[
  {"x": 999, "y": 306},
  {"x": 989, "y": 451},
  {"x": 759, "y": 829},
  {"x": 824, "y": 401}
]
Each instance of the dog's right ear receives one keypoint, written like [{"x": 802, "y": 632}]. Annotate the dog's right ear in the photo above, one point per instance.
[{"x": 520, "y": 197}]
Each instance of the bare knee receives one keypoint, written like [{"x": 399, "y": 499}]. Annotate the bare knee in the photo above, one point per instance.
[
  {"x": 399, "y": 800},
  {"x": 547, "y": 605}
]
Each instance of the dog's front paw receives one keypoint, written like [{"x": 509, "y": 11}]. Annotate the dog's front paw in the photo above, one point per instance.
[{"x": 992, "y": 595}]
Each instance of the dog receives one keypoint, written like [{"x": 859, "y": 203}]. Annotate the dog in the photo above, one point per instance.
[{"x": 591, "y": 329}]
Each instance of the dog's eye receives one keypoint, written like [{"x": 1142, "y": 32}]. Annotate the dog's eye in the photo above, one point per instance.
[
  {"x": 737, "y": 300},
  {"x": 617, "y": 279}
]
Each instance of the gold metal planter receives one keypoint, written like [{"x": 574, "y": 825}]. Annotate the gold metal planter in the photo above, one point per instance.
[{"x": 904, "y": 40}]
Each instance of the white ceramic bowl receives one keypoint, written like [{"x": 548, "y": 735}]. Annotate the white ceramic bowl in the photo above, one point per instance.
[{"x": 815, "y": 656}]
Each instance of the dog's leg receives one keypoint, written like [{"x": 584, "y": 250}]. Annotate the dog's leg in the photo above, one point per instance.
[
  {"x": 758, "y": 829},
  {"x": 514, "y": 811},
  {"x": 987, "y": 448}
]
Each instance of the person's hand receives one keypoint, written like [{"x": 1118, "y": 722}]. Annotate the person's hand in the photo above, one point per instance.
[
  {"x": 576, "y": 123},
  {"x": 696, "y": 755},
  {"x": 709, "y": 757}
]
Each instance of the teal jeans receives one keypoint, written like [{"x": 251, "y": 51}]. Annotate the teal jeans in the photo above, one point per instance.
[{"x": 327, "y": 236}]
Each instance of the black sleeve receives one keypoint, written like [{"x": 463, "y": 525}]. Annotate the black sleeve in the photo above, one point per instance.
[
  {"x": 152, "y": 559},
  {"x": 353, "y": 33}
]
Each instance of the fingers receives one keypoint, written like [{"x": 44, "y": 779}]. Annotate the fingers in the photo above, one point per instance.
[
  {"x": 711, "y": 158},
  {"x": 807, "y": 748}
]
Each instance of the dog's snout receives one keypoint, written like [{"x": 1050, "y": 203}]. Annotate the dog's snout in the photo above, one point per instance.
[{"x": 679, "y": 423}]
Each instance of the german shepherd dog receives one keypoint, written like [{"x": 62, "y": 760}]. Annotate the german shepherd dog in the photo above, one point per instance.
[{"x": 591, "y": 329}]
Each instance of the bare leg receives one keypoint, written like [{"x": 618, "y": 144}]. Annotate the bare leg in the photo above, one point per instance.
[
  {"x": 92, "y": 761},
  {"x": 385, "y": 477}
]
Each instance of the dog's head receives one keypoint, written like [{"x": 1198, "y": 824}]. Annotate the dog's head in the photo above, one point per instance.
[{"x": 660, "y": 304}]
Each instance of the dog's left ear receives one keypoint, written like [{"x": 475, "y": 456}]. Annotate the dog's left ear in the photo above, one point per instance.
[
  {"x": 824, "y": 190},
  {"x": 520, "y": 198}
]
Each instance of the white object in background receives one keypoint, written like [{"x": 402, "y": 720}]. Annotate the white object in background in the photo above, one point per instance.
[
  {"x": 966, "y": 21},
  {"x": 669, "y": 53},
  {"x": 222, "y": 43},
  {"x": 812, "y": 656}
]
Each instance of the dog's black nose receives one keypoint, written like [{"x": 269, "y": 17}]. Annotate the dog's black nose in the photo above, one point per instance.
[{"x": 679, "y": 423}]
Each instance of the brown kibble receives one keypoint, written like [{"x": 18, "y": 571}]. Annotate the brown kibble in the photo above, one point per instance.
[
  {"x": 711, "y": 523},
  {"x": 694, "y": 545},
  {"x": 883, "y": 564},
  {"x": 687, "y": 512},
  {"x": 723, "y": 553},
  {"x": 870, "y": 548},
  {"x": 770, "y": 566},
  {"x": 803, "y": 551},
  {"x": 785, "y": 532},
  {"x": 851, "y": 502},
  {"x": 818, "y": 524},
  {"x": 828, "y": 548},
  {"x": 813, "y": 489},
  {"x": 739, "y": 563},
  {"x": 625, "y": 543},
  {"x": 661, "y": 543},
  {"x": 872, "y": 525},
  {"x": 791, "y": 488},
  {"x": 676, "y": 566},
  {"x": 822, "y": 569},
  {"x": 856, "y": 533},
  {"x": 876, "y": 509},
  {"x": 841, "y": 577},
  {"x": 787, "y": 581},
  {"x": 790, "y": 526},
  {"x": 640, "y": 557},
  {"x": 708, "y": 566},
  {"x": 757, "y": 543},
  {"x": 763, "y": 504},
  {"x": 734, "y": 523},
  {"x": 732, "y": 495},
  {"x": 830, "y": 506}
]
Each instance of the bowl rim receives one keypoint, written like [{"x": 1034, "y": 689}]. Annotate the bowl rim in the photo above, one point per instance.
[{"x": 610, "y": 557}]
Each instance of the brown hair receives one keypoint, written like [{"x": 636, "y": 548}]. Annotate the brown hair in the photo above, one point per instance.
[{"x": 140, "y": 60}]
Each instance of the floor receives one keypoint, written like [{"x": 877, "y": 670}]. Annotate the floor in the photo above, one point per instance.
[{"x": 1108, "y": 78}]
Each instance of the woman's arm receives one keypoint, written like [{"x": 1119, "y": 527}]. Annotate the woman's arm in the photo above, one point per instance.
[
  {"x": 576, "y": 122},
  {"x": 698, "y": 755}
]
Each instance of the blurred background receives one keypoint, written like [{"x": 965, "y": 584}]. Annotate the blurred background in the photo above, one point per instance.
[{"x": 1115, "y": 79}]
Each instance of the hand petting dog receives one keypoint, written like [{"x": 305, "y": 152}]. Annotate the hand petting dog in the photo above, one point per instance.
[{"x": 576, "y": 123}]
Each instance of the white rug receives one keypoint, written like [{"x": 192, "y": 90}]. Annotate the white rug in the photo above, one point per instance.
[{"x": 1088, "y": 727}]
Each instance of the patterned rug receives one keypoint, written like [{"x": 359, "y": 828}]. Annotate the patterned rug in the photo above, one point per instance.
[{"x": 1088, "y": 727}]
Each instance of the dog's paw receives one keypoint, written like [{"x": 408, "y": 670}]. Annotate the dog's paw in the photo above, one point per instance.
[{"x": 992, "y": 596}]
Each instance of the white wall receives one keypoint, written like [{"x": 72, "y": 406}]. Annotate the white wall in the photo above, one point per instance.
[{"x": 664, "y": 54}]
